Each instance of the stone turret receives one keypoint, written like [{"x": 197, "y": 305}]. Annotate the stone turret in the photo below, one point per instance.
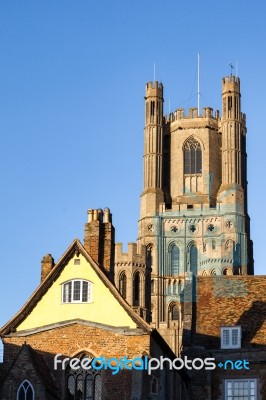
[{"x": 152, "y": 194}]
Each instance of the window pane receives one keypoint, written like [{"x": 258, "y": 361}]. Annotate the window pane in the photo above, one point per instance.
[
  {"x": 21, "y": 394},
  {"x": 225, "y": 337},
  {"x": 71, "y": 385},
  {"x": 76, "y": 293},
  {"x": 193, "y": 259},
  {"x": 123, "y": 285},
  {"x": 89, "y": 291},
  {"x": 84, "y": 291},
  {"x": 89, "y": 388},
  {"x": 240, "y": 389},
  {"x": 67, "y": 293},
  {"x": 187, "y": 161},
  {"x": 192, "y": 157},
  {"x": 175, "y": 313},
  {"x": 198, "y": 161},
  {"x": 98, "y": 387},
  {"x": 29, "y": 395},
  {"x": 175, "y": 260},
  {"x": 79, "y": 389},
  {"x": 235, "y": 333}
]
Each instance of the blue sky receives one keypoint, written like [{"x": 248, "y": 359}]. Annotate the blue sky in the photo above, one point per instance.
[{"x": 72, "y": 76}]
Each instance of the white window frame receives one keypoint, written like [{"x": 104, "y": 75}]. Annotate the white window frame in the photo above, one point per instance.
[
  {"x": 72, "y": 283},
  {"x": 230, "y": 344},
  {"x": 252, "y": 392}
]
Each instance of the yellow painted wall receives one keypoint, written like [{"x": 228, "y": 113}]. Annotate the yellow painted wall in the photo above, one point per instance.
[{"x": 104, "y": 308}]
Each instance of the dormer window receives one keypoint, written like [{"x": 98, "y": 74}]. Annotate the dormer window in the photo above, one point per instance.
[
  {"x": 231, "y": 337},
  {"x": 77, "y": 291}
]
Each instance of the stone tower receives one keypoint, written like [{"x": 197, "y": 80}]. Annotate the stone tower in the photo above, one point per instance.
[{"x": 193, "y": 217}]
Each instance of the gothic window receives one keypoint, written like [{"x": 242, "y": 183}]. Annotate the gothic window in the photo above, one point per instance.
[
  {"x": 83, "y": 383},
  {"x": 123, "y": 284},
  {"x": 193, "y": 259},
  {"x": 25, "y": 391},
  {"x": 192, "y": 157},
  {"x": 175, "y": 259},
  {"x": 77, "y": 291},
  {"x": 136, "y": 289},
  {"x": 174, "y": 312}
]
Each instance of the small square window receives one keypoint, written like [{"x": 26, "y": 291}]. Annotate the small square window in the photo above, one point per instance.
[
  {"x": 76, "y": 261},
  {"x": 231, "y": 337}
]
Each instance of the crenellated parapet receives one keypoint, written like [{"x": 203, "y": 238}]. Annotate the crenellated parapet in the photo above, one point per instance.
[
  {"x": 207, "y": 117},
  {"x": 154, "y": 89},
  {"x": 135, "y": 256},
  {"x": 231, "y": 80}
]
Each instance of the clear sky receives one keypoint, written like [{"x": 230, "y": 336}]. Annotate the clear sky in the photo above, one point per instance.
[{"x": 72, "y": 76}]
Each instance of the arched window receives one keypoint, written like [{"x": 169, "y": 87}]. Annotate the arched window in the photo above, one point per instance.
[
  {"x": 192, "y": 157},
  {"x": 25, "y": 391},
  {"x": 174, "y": 312},
  {"x": 83, "y": 383},
  {"x": 136, "y": 289},
  {"x": 175, "y": 260},
  {"x": 123, "y": 284},
  {"x": 77, "y": 291},
  {"x": 193, "y": 259}
]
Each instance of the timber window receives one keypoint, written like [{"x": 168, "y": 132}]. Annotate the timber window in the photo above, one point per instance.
[
  {"x": 244, "y": 389},
  {"x": 231, "y": 337},
  {"x": 77, "y": 291}
]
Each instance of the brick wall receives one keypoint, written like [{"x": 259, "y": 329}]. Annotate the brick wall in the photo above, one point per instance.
[{"x": 69, "y": 341}]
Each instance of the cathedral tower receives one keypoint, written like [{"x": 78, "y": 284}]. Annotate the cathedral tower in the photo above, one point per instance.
[{"x": 193, "y": 217}]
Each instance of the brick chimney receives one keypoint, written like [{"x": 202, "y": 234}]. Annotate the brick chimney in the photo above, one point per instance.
[
  {"x": 47, "y": 266},
  {"x": 99, "y": 239}
]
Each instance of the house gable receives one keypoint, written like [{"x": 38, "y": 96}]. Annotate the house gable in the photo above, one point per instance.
[
  {"x": 103, "y": 308},
  {"x": 46, "y": 305}
]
